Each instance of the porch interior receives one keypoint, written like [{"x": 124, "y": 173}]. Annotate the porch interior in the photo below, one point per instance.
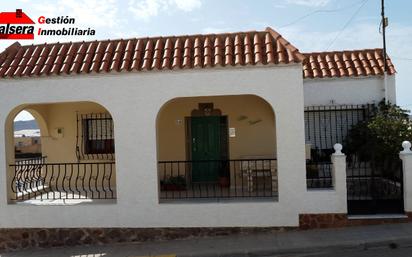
[
  {"x": 217, "y": 147},
  {"x": 77, "y": 159}
]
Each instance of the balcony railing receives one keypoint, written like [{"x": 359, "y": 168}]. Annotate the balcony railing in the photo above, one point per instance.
[
  {"x": 37, "y": 180},
  {"x": 319, "y": 174},
  {"x": 34, "y": 160},
  {"x": 218, "y": 179}
]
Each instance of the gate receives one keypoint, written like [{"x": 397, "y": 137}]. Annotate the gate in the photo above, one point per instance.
[{"x": 372, "y": 186}]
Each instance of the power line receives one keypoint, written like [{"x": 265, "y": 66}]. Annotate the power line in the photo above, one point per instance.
[
  {"x": 347, "y": 24},
  {"x": 401, "y": 58},
  {"x": 320, "y": 11}
]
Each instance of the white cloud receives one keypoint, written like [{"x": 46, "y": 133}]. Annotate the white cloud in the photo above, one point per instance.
[
  {"x": 96, "y": 13},
  {"x": 315, "y": 3},
  {"x": 187, "y": 5},
  {"x": 146, "y": 9}
]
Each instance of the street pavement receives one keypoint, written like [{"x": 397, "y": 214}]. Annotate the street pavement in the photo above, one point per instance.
[
  {"x": 381, "y": 240},
  {"x": 376, "y": 252}
]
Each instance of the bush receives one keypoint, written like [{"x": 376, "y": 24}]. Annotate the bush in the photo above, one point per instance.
[{"x": 380, "y": 137}]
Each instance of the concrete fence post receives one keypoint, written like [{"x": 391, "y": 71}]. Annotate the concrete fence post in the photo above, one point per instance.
[
  {"x": 339, "y": 174},
  {"x": 406, "y": 157}
]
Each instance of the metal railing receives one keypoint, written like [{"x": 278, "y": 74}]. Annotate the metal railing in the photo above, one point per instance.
[
  {"x": 319, "y": 174},
  {"x": 324, "y": 127},
  {"x": 34, "y": 160},
  {"x": 215, "y": 179},
  {"x": 41, "y": 181}
]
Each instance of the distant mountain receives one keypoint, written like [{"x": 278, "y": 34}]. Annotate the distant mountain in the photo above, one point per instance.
[{"x": 25, "y": 125}]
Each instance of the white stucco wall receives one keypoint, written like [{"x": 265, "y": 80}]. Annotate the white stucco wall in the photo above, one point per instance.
[
  {"x": 338, "y": 91},
  {"x": 134, "y": 100},
  {"x": 332, "y": 200}
]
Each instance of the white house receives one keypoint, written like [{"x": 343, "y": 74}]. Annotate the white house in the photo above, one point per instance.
[{"x": 198, "y": 131}]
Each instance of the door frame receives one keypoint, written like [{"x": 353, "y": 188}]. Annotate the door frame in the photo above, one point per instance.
[{"x": 204, "y": 110}]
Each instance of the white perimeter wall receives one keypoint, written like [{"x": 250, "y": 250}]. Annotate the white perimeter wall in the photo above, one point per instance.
[
  {"x": 338, "y": 91},
  {"x": 341, "y": 91},
  {"x": 134, "y": 101}
]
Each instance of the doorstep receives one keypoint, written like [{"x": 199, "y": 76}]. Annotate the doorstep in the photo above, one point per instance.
[{"x": 378, "y": 216}]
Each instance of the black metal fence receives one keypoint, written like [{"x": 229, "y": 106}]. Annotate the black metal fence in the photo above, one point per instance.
[
  {"x": 319, "y": 174},
  {"x": 216, "y": 179},
  {"x": 324, "y": 127},
  {"x": 38, "y": 180}
]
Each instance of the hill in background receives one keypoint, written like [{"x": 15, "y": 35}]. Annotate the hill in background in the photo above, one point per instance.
[{"x": 25, "y": 125}]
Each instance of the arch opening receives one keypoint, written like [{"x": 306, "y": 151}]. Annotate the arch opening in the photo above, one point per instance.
[
  {"x": 27, "y": 136},
  {"x": 73, "y": 160},
  {"x": 216, "y": 147}
]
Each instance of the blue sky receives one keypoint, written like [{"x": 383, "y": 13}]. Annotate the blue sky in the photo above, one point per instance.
[{"x": 311, "y": 25}]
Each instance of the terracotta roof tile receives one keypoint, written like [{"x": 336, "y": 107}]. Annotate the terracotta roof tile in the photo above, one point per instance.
[
  {"x": 218, "y": 53},
  {"x": 15, "y": 63},
  {"x": 167, "y": 54},
  {"x": 137, "y": 55},
  {"x": 107, "y": 58},
  {"x": 353, "y": 63},
  {"x": 158, "y": 55},
  {"x": 208, "y": 53},
  {"x": 161, "y": 53},
  {"x": 229, "y": 51},
  {"x": 128, "y": 53},
  {"x": 184, "y": 52},
  {"x": 197, "y": 54},
  {"x": 117, "y": 56},
  {"x": 257, "y": 49},
  {"x": 87, "y": 62},
  {"x": 48, "y": 65},
  {"x": 58, "y": 62},
  {"x": 187, "y": 53},
  {"x": 68, "y": 58}
]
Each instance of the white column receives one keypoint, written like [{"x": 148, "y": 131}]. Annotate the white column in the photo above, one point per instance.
[
  {"x": 406, "y": 157},
  {"x": 339, "y": 175}
]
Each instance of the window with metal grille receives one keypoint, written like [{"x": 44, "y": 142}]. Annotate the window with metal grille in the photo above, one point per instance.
[
  {"x": 95, "y": 136},
  {"x": 99, "y": 136}
]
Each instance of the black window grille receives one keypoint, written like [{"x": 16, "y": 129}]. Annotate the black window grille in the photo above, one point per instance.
[{"x": 95, "y": 138}]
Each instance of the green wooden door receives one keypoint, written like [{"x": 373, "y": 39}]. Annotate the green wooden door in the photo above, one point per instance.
[{"x": 205, "y": 132}]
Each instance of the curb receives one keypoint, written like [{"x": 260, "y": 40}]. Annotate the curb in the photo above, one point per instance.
[{"x": 403, "y": 242}]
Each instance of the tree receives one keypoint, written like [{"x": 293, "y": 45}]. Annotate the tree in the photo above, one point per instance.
[{"x": 380, "y": 136}]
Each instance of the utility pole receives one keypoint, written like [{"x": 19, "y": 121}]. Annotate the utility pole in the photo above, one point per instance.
[
  {"x": 385, "y": 66},
  {"x": 384, "y": 24}
]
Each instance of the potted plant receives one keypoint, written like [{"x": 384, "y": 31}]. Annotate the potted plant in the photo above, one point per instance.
[
  {"x": 224, "y": 175},
  {"x": 173, "y": 183}
]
